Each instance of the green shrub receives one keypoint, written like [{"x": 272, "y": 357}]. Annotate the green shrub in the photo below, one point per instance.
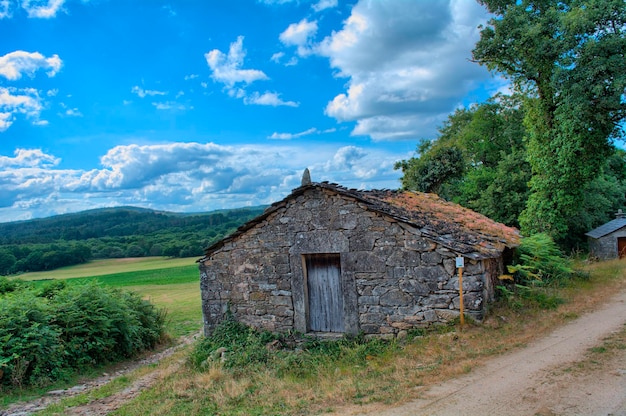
[
  {"x": 8, "y": 285},
  {"x": 31, "y": 352},
  {"x": 47, "y": 333},
  {"x": 539, "y": 261},
  {"x": 102, "y": 324}
]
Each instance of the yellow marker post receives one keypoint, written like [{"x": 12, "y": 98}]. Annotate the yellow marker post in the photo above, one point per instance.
[{"x": 460, "y": 263}]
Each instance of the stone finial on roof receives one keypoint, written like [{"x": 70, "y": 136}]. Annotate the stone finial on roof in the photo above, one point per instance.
[{"x": 306, "y": 177}]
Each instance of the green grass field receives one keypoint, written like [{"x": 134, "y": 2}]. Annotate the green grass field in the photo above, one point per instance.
[
  {"x": 111, "y": 266},
  {"x": 172, "y": 284}
]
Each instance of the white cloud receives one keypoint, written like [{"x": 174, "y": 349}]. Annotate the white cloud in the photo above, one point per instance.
[
  {"x": 227, "y": 68},
  {"x": 73, "y": 112},
  {"x": 324, "y": 4},
  {"x": 404, "y": 78},
  {"x": 191, "y": 76},
  {"x": 289, "y": 136},
  {"x": 171, "y": 105},
  {"x": 268, "y": 98},
  {"x": 142, "y": 93},
  {"x": 300, "y": 34},
  {"x": 274, "y": 2},
  {"x": 15, "y": 64},
  {"x": 28, "y": 158},
  {"x": 14, "y": 101},
  {"x": 6, "y": 119},
  {"x": 44, "y": 9},
  {"x": 184, "y": 177},
  {"x": 277, "y": 57},
  {"x": 5, "y": 9}
]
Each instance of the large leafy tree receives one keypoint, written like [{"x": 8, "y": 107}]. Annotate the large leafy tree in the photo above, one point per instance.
[
  {"x": 567, "y": 57},
  {"x": 478, "y": 160}
]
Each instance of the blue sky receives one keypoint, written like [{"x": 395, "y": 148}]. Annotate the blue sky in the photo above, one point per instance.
[{"x": 196, "y": 105}]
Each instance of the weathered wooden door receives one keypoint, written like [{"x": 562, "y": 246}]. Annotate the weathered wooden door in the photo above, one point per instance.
[
  {"x": 621, "y": 246},
  {"x": 324, "y": 293}
]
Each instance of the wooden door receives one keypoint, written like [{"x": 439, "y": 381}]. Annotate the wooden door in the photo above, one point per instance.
[
  {"x": 621, "y": 246},
  {"x": 325, "y": 295}
]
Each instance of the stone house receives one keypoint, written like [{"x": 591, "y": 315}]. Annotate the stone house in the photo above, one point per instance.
[
  {"x": 327, "y": 259},
  {"x": 608, "y": 241}
]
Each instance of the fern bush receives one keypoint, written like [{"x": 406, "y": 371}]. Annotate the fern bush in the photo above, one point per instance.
[
  {"x": 50, "y": 332},
  {"x": 539, "y": 261},
  {"x": 538, "y": 266}
]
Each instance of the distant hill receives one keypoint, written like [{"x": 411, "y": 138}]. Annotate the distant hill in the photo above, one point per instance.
[{"x": 61, "y": 240}]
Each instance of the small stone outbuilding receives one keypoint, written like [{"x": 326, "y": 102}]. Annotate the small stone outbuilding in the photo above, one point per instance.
[
  {"x": 608, "y": 241},
  {"x": 327, "y": 259}
]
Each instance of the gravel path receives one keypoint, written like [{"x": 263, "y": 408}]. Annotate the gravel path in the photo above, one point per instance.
[{"x": 552, "y": 376}]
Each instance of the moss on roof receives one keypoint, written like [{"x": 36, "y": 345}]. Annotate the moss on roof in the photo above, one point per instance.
[{"x": 455, "y": 227}]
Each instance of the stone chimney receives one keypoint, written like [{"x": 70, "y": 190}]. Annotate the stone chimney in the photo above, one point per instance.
[
  {"x": 306, "y": 178},
  {"x": 620, "y": 214}
]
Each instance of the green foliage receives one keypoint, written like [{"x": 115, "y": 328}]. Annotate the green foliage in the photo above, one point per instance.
[
  {"x": 235, "y": 343},
  {"x": 567, "y": 58},
  {"x": 489, "y": 172},
  {"x": 539, "y": 261},
  {"x": 520, "y": 297},
  {"x": 240, "y": 348},
  {"x": 429, "y": 172},
  {"x": 56, "y": 329},
  {"x": 7, "y": 285}
]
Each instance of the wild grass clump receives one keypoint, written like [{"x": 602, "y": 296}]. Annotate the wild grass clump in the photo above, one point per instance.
[
  {"x": 51, "y": 331},
  {"x": 240, "y": 349}
]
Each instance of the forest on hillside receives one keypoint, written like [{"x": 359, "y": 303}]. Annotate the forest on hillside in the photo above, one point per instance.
[{"x": 64, "y": 240}]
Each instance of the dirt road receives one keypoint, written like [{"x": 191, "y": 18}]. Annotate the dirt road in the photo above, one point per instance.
[{"x": 556, "y": 375}]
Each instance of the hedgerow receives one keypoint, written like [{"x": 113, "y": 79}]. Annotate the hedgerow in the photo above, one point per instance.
[{"x": 50, "y": 332}]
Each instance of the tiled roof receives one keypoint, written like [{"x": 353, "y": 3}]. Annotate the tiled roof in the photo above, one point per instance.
[
  {"x": 607, "y": 228},
  {"x": 453, "y": 226}
]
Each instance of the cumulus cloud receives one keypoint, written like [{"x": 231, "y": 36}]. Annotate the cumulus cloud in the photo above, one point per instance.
[
  {"x": 324, "y": 4},
  {"x": 227, "y": 68},
  {"x": 28, "y": 158},
  {"x": 182, "y": 176},
  {"x": 44, "y": 9},
  {"x": 300, "y": 34},
  {"x": 268, "y": 98},
  {"x": 15, "y": 64},
  {"x": 14, "y": 101},
  {"x": 405, "y": 77}
]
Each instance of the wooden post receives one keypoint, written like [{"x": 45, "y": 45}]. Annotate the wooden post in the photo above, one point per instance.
[
  {"x": 460, "y": 263},
  {"x": 461, "y": 296}
]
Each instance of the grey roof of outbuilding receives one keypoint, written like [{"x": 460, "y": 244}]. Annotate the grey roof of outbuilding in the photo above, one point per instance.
[{"x": 607, "y": 228}]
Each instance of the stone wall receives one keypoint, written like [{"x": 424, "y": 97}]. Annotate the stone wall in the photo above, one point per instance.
[
  {"x": 606, "y": 247},
  {"x": 393, "y": 277}
]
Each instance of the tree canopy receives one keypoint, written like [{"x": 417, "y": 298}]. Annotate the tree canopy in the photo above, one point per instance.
[{"x": 567, "y": 60}]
